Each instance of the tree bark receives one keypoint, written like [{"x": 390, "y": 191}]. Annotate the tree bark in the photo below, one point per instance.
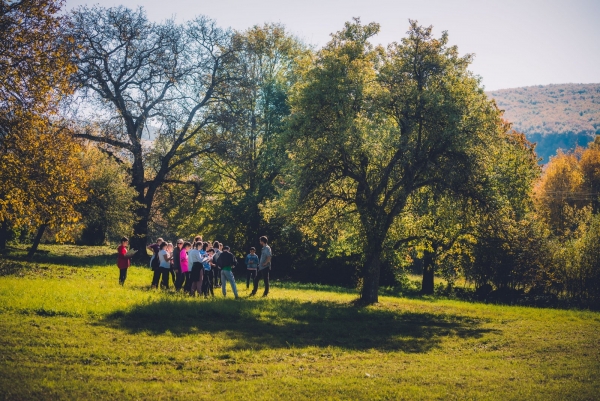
[
  {"x": 3, "y": 234},
  {"x": 427, "y": 284},
  {"x": 253, "y": 227},
  {"x": 139, "y": 241},
  {"x": 370, "y": 289},
  {"x": 36, "y": 240}
]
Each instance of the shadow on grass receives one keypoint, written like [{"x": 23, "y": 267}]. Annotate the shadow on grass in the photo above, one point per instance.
[
  {"x": 274, "y": 323},
  {"x": 292, "y": 285},
  {"x": 66, "y": 255}
]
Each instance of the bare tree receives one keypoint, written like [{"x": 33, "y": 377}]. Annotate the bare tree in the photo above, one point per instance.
[{"x": 138, "y": 77}]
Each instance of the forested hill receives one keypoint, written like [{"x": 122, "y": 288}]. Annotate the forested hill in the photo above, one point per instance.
[{"x": 553, "y": 116}]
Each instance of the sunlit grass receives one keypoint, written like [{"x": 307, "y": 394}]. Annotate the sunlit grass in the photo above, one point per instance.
[{"x": 73, "y": 332}]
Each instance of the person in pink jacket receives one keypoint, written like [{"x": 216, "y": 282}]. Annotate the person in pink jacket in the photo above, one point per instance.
[{"x": 185, "y": 269}]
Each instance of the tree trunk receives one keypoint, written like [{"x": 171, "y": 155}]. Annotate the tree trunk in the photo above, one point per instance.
[
  {"x": 3, "y": 234},
  {"x": 145, "y": 197},
  {"x": 370, "y": 289},
  {"x": 253, "y": 227},
  {"x": 139, "y": 241},
  {"x": 36, "y": 240},
  {"x": 427, "y": 284}
]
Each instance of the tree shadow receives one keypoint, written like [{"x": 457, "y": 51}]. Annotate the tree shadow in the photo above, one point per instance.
[
  {"x": 293, "y": 285},
  {"x": 276, "y": 323},
  {"x": 70, "y": 256}
]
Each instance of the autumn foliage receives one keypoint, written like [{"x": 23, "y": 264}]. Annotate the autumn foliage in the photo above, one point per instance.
[
  {"x": 553, "y": 116},
  {"x": 39, "y": 164},
  {"x": 41, "y": 172}
]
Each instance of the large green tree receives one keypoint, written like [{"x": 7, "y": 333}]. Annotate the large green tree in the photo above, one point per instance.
[
  {"x": 269, "y": 58},
  {"x": 239, "y": 179},
  {"x": 453, "y": 225},
  {"x": 371, "y": 127},
  {"x": 162, "y": 80}
]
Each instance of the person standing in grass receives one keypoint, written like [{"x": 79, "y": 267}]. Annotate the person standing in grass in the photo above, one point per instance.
[
  {"x": 216, "y": 269},
  {"x": 177, "y": 264},
  {"x": 183, "y": 266},
  {"x": 122, "y": 261},
  {"x": 251, "y": 266},
  {"x": 171, "y": 250},
  {"x": 154, "y": 262},
  {"x": 207, "y": 285},
  {"x": 187, "y": 285},
  {"x": 264, "y": 266},
  {"x": 197, "y": 268},
  {"x": 227, "y": 262},
  {"x": 164, "y": 265}
]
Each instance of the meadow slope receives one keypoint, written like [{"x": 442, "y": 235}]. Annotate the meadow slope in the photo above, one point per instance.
[{"x": 69, "y": 331}]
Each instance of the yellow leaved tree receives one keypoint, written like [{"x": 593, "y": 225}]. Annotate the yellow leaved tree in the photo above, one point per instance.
[{"x": 39, "y": 164}]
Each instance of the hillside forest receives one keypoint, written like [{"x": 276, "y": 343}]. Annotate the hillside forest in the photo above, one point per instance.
[
  {"x": 554, "y": 117},
  {"x": 361, "y": 163}
]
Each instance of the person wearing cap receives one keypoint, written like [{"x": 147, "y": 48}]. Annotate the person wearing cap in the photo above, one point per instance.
[
  {"x": 227, "y": 262},
  {"x": 177, "y": 264},
  {"x": 251, "y": 266}
]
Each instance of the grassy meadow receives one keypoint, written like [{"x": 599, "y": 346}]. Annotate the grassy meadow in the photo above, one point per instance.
[{"x": 69, "y": 331}]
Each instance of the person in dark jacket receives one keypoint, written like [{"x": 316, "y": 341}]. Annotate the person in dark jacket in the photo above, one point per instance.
[
  {"x": 155, "y": 248},
  {"x": 227, "y": 262},
  {"x": 179, "y": 276}
]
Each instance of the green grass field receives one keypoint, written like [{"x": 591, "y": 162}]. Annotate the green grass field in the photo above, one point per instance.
[{"x": 69, "y": 331}]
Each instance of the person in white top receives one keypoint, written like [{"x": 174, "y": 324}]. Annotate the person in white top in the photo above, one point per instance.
[
  {"x": 163, "y": 259},
  {"x": 195, "y": 260}
]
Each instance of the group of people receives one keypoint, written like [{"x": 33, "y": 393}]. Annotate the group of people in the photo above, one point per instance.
[{"x": 197, "y": 267}]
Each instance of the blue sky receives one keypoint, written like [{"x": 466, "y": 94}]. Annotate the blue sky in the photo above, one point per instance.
[{"x": 516, "y": 43}]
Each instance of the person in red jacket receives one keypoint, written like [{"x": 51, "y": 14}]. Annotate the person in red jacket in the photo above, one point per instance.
[{"x": 123, "y": 262}]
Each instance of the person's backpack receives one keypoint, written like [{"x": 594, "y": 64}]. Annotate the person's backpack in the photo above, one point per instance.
[{"x": 155, "y": 264}]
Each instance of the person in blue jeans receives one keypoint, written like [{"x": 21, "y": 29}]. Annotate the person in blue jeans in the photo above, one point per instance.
[
  {"x": 251, "y": 266},
  {"x": 227, "y": 262},
  {"x": 264, "y": 266}
]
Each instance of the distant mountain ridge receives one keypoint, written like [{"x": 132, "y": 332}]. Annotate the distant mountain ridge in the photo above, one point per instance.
[{"x": 554, "y": 116}]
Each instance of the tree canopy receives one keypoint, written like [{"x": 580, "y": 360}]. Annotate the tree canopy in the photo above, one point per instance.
[
  {"x": 163, "y": 79},
  {"x": 373, "y": 126}
]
